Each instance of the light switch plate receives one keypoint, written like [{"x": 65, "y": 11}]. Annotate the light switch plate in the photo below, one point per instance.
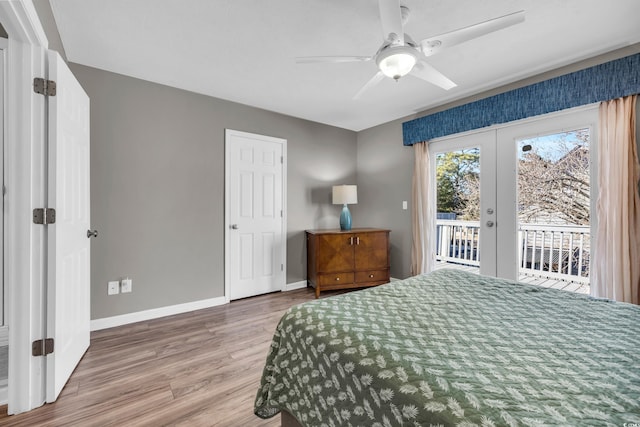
[{"x": 404, "y": 205}]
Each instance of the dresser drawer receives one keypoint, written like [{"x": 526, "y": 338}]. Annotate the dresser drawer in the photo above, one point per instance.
[
  {"x": 372, "y": 276},
  {"x": 331, "y": 279}
]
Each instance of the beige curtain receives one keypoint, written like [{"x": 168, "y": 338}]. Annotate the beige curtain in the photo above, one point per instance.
[
  {"x": 616, "y": 261},
  {"x": 422, "y": 212}
]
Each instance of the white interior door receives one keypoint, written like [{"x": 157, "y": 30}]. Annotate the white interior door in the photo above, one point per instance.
[
  {"x": 254, "y": 217},
  {"x": 68, "y": 301}
]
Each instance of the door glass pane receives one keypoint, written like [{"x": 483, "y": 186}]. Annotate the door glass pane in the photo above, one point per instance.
[
  {"x": 553, "y": 210},
  {"x": 458, "y": 209}
]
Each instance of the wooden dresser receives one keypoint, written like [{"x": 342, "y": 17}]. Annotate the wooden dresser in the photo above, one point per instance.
[{"x": 347, "y": 259}]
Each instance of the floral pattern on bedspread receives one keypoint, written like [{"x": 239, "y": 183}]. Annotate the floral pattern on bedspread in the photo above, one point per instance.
[{"x": 454, "y": 348}]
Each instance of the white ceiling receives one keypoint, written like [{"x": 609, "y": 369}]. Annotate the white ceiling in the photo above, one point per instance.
[{"x": 244, "y": 50}]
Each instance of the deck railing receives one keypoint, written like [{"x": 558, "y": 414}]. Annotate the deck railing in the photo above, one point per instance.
[
  {"x": 554, "y": 251},
  {"x": 457, "y": 241}
]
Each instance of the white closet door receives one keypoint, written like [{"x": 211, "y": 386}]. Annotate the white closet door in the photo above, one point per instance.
[
  {"x": 254, "y": 214},
  {"x": 68, "y": 301}
]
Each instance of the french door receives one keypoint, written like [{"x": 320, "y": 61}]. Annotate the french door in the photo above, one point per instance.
[
  {"x": 546, "y": 192},
  {"x": 489, "y": 185},
  {"x": 464, "y": 175}
]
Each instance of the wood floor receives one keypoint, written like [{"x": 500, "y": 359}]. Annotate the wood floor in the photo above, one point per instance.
[{"x": 195, "y": 369}]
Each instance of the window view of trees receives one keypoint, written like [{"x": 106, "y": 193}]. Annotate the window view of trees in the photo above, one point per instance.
[
  {"x": 553, "y": 180},
  {"x": 458, "y": 183}
]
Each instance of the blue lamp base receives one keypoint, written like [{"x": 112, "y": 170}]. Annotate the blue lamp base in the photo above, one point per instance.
[{"x": 345, "y": 218}]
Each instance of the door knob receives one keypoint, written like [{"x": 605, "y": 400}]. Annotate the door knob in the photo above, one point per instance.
[
  {"x": 234, "y": 226},
  {"x": 489, "y": 224},
  {"x": 91, "y": 234}
]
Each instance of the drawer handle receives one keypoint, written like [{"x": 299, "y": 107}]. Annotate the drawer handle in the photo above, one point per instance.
[
  {"x": 371, "y": 275},
  {"x": 337, "y": 279}
]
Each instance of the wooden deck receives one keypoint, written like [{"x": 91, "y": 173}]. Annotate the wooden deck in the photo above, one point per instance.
[{"x": 545, "y": 282}]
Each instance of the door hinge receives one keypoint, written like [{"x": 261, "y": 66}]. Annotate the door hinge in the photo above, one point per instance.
[
  {"x": 42, "y": 347},
  {"x": 282, "y": 159},
  {"x": 44, "y": 87},
  {"x": 281, "y": 214},
  {"x": 281, "y": 267},
  {"x": 44, "y": 216}
]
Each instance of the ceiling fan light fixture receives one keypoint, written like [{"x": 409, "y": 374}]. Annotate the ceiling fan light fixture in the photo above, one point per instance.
[{"x": 396, "y": 62}]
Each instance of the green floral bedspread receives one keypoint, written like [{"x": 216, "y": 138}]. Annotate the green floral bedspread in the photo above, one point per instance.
[{"x": 454, "y": 348}]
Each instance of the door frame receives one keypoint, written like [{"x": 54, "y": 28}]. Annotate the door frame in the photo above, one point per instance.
[
  {"x": 4, "y": 338},
  {"x": 25, "y": 182},
  {"x": 283, "y": 142}
]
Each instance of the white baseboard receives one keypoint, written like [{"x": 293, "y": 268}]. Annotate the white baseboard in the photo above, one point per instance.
[
  {"x": 140, "y": 316},
  {"x": 4, "y": 392},
  {"x": 295, "y": 285},
  {"x": 4, "y": 336}
]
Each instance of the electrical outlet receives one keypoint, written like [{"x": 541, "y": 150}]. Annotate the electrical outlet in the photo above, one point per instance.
[
  {"x": 113, "y": 288},
  {"x": 126, "y": 285}
]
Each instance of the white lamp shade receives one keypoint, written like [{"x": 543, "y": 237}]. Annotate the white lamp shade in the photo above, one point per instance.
[{"x": 345, "y": 194}]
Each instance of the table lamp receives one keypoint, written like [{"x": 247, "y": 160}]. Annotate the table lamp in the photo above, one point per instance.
[{"x": 343, "y": 195}]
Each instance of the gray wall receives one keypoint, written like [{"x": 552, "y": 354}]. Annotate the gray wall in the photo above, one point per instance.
[
  {"x": 157, "y": 188},
  {"x": 385, "y": 169}
]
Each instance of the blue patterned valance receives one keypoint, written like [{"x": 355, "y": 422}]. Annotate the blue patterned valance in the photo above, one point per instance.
[{"x": 599, "y": 83}]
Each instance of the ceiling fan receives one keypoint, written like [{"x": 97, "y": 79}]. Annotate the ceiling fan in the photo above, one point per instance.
[{"x": 400, "y": 55}]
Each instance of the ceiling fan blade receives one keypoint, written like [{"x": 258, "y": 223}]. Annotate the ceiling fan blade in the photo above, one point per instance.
[
  {"x": 331, "y": 59},
  {"x": 433, "y": 44},
  {"x": 426, "y": 72},
  {"x": 391, "y": 18},
  {"x": 371, "y": 83}
]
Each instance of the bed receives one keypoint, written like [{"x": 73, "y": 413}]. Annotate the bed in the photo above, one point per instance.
[{"x": 455, "y": 348}]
